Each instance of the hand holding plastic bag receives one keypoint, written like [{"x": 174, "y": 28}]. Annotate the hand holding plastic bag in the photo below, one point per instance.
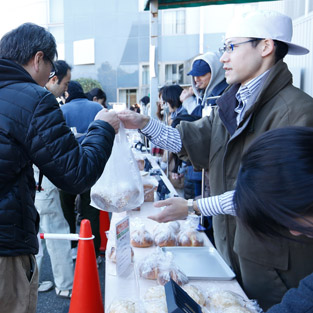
[{"x": 120, "y": 186}]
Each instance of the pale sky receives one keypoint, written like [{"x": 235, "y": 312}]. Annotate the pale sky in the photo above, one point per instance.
[{"x": 15, "y": 12}]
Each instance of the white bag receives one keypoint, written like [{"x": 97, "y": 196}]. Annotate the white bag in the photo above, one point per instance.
[{"x": 120, "y": 186}]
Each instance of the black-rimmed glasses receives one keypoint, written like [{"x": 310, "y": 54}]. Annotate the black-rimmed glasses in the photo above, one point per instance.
[
  {"x": 53, "y": 69},
  {"x": 230, "y": 47}
]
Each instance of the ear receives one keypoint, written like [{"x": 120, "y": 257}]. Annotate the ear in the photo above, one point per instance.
[
  {"x": 94, "y": 99},
  {"x": 54, "y": 79},
  {"x": 268, "y": 47},
  {"x": 38, "y": 58}
]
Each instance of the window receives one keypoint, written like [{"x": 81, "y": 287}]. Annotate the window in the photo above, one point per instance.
[
  {"x": 174, "y": 73},
  {"x": 127, "y": 96},
  {"x": 145, "y": 80},
  {"x": 173, "y": 22}
]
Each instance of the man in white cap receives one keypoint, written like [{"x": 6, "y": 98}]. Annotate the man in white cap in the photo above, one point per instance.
[{"x": 260, "y": 97}]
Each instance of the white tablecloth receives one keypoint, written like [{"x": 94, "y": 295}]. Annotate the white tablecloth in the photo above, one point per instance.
[{"x": 133, "y": 287}]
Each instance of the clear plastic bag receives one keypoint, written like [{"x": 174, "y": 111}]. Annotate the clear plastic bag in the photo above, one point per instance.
[{"x": 120, "y": 186}]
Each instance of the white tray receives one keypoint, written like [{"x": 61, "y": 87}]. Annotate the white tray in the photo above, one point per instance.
[{"x": 201, "y": 263}]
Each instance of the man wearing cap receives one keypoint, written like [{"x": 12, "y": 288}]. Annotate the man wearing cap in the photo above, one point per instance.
[
  {"x": 208, "y": 81},
  {"x": 260, "y": 97}
]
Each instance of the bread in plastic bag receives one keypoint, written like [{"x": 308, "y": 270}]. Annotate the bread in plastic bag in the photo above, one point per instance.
[
  {"x": 164, "y": 234},
  {"x": 120, "y": 186},
  {"x": 188, "y": 235},
  {"x": 139, "y": 236},
  {"x": 160, "y": 266},
  {"x": 220, "y": 301}
]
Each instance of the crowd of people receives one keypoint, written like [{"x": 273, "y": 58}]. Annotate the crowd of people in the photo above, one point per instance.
[
  {"x": 252, "y": 146},
  {"x": 260, "y": 97}
]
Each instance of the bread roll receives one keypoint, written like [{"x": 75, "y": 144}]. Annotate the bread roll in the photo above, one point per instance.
[
  {"x": 228, "y": 301},
  {"x": 148, "y": 271},
  {"x": 190, "y": 238},
  {"x": 178, "y": 276},
  {"x": 141, "y": 238}
]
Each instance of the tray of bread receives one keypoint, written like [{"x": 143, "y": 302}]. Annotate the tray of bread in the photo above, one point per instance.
[{"x": 201, "y": 263}]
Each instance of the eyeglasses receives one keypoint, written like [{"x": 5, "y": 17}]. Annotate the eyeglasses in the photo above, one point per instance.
[
  {"x": 230, "y": 47},
  {"x": 53, "y": 69}
]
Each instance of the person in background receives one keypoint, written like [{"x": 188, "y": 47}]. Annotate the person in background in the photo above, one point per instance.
[
  {"x": 208, "y": 80},
  {"x": 208, "y": 83},
  {"x": 260, "y": 98},
  {"x": 135, "y": 107},
  {"x": 97, "y": 95},
  {"x": 283, "y": 158},
  {"x": 145, "y": 106},
  {"x": 177, "y": 168},
  {"x": 33, "y": 132},
  {"x": 170, "y": 95},
  {"x": 57, "y": 84},
  {"x": 79, "y": 112},
  {"x": 47, "y": 203}
]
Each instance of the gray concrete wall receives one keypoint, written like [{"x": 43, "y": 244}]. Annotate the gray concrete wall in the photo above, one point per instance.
[{"x": 121, "y": 35}]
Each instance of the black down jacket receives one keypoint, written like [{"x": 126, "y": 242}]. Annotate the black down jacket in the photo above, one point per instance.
[{"x": 33, "y": 131}]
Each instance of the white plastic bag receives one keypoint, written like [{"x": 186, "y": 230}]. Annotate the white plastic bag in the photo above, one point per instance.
[{"x": 120, "y": 186}]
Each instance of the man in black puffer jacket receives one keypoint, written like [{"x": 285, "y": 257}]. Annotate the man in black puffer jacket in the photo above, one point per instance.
[{"x": 33, "y": 131}]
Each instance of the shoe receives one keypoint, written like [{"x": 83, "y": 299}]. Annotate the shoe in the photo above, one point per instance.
[
  {"x": 99, "y": 261},
  {"x": 63, "y": 293},
  {"x": 45, "y": 286},
  {"x": 74, "y": 253}
]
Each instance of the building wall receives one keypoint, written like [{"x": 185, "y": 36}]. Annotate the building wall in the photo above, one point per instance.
[
  {"x": 121, "y": 41},
  {"x": 303, "y": 27},
  {"x": 120, "y": 36}
]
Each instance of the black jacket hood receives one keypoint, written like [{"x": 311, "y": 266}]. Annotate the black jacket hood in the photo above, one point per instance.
[{"x": 11, "y": 73}]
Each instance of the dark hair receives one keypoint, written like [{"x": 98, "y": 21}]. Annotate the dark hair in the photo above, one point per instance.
[
  {"x": 280, "y": 51},
  {"x": 75, "y": 91},
  {"x": 145, "y": 100},
  {"x": 275, "y": 181},
  {"x": 96, "y": 92},
  {"x": 22, "y": 43},
  {"x": 171, "y": 94},
  {"x": 160, "y": 91},
  {"x": 61, "y": 68}
]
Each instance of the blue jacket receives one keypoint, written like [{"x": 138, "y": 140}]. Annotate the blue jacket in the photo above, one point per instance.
[
  {"x": 80, "y": 113},
  {"x": 217, "y": 91},
  {"x": 33, "y": 131},
  {"x": 297, "y": 300}
]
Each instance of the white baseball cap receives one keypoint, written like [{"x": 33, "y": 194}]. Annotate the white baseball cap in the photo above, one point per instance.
[{"x": 265, "y": 24}]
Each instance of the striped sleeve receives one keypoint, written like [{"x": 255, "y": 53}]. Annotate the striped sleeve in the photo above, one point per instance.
[
  {"x": 216, "y": 205},
  {"x": 165, "y": 137}
]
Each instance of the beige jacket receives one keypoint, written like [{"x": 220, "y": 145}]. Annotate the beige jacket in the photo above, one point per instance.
[{"x": 217, "y": 143}]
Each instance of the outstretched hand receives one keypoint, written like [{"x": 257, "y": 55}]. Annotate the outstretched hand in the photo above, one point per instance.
[
  {"x": 109, "y": 117},
  {"x": 175, "y": 209},
  {"x": 133, "y": 120}
]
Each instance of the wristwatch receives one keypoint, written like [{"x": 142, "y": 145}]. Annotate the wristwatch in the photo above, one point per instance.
[{"x": 190, "y": 206}]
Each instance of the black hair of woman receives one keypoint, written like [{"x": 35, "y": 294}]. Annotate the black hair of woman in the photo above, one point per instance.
[
  {"x": 171, "y": 94},
  {"x": 97, "y": 95},
  {"x": 274, "y": 188}
]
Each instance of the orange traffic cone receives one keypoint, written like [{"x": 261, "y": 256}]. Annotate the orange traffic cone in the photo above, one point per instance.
[
  {"x": 86, "y": 295},
  {"x": 104, "y": 226}
]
